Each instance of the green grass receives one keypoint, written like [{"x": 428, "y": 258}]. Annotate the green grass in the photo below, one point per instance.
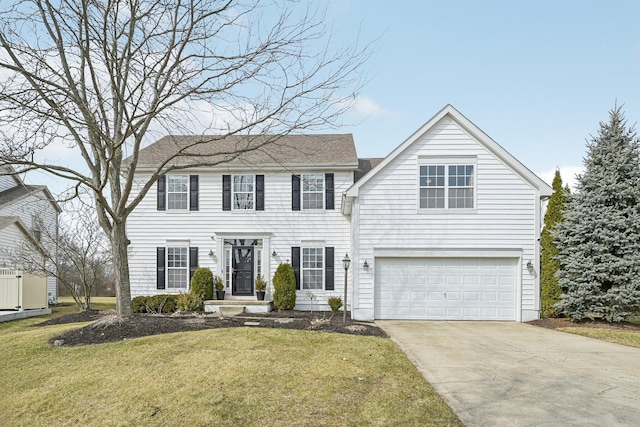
[
  {"x": 617, "y": 336},
  {"x": 224, "y": 377}
]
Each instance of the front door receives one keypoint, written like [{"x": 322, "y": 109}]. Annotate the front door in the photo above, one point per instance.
[{"x": 242, "y": 264}]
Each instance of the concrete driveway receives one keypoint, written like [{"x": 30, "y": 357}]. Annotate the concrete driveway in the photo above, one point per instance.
[{"x": 513, "y": 374}]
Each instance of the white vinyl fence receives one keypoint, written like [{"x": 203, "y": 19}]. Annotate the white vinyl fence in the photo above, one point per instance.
[{"x": 20, "y": 291}]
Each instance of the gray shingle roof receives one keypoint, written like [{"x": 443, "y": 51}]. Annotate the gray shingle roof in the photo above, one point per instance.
[
  {"x": 365, "y": 165},
  {"x": 17, "y": 192},
  {"x": 257, "y": 150}
]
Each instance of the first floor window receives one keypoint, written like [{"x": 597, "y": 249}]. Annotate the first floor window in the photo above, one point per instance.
[
  {"x": 243, "y": 191},
  {"x": 177, "y": 192},
  {"x": 177, "y": 268},
  {"x": 447, "y": 186},
  {"x": 312, "y": 268}
]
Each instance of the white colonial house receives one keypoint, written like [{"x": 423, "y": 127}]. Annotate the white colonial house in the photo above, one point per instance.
[
  {"x": 28, "y": 218},
  {"x": 444, "y": 227}
]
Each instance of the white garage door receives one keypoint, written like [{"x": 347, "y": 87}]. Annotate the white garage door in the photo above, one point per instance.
[{"x": 445, "y": 288}]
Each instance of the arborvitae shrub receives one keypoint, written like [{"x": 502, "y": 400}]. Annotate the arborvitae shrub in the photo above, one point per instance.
[
  {"x": 550, "y": 289},
  {"x": 284, "y": 284},
  {"x": 202, "y": 284}
]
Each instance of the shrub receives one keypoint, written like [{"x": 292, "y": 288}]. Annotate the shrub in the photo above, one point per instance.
[
  {"x": 163, "y": 303},
  {"x": 202, "y": 284},
  {"x": 188, "y": 302},
  {"x": 284, "y": 284},
  {"x": 139, "y": 304},
  {"x": 335, "y": 303},
  {"x": 261, "y": 285},
  {"x": 218, "y": 283}
]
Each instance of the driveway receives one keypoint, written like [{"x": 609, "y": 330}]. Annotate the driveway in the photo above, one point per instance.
[{"x": 513, "y": 374}]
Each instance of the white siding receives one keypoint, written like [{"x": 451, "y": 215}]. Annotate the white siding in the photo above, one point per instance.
[
  {"x": 37, "y": 205},
  {"x": 388, "y": 216},
  {"x": 7, "y": 182},
  {"x": 282, "y": 228}
]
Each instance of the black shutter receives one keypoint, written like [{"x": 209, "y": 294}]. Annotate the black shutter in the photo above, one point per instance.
[
  {"x": 162, "y": 193},
  {"x": 259, "y": 192},
  {"x": 193, "y": 262},
  {"x": 328, "y": 185},
  {"x": 226, "y": 192},
  {"x": 295, "y": 263},
  {"x": 193, "y": 193},
  {"x": 295, "y": 192},
  {"x": 328, "y": 268},
  {"x": 160, "y": 258}
]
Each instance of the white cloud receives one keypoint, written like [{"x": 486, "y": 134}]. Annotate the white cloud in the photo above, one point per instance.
[
  {"x": 368, "y": 107},
  {"x": 568, "y": 174}
]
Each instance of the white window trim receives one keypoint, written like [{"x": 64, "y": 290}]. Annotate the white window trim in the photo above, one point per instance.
[
  {"x": 233, "y": 193},
  {"x": 186, "y": 208},
  {"x": 446, "y": 162},
  {"x": 302, "y": 269},
  {"x": 302, "y": 192},
  {"x": 168, "y": 268}
]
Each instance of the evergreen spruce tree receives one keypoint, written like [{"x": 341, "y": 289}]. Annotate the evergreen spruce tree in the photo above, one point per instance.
[
  {"x": 599, "y": 239},
  {"x": 550, "y": 289}
]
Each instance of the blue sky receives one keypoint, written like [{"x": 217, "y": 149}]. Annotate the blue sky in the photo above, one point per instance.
[{"x": 536, "y": 76}]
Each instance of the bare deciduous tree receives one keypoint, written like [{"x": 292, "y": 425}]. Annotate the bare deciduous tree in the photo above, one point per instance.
[
  {"x": 106, "y": 77},
  {"x": 80, "y": 258}
]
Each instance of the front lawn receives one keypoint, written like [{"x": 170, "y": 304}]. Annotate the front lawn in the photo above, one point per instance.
[
  {"x": 238, "y": 376},
  {"x": 617, "y": 336}
]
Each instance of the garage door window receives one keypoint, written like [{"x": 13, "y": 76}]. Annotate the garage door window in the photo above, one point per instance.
[{"x": 447, "y": 186}]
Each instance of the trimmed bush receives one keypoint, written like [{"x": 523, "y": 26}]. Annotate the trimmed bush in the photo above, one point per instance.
[
  {"x": 188, "y": 302},
  {"x": 202, "y": 284},
  {"x": 139, "y": 304},
  {"x": 284, "y": 284},
  {"x": 335, "y": 303},
  {"x": 163, "y": 303}
]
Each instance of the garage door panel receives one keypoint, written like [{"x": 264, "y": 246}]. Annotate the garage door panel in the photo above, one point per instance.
[{"x": 445, "y": 288}]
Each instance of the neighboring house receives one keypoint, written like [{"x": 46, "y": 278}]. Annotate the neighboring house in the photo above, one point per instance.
[
  {"x": 28, "y": 215},
  {"x": 445, "y": 227}
]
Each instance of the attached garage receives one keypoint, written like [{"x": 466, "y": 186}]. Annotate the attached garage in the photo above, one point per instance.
[{"x": 446, "y": 288}]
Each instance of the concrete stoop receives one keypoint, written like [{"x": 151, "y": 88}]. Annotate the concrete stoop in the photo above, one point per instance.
[{"x": 234, "y": 307}]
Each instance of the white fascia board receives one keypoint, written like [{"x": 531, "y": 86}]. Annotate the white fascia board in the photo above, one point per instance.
[
  {"x": 477, "y": 133},
  {"x": 265, "y": 168}
]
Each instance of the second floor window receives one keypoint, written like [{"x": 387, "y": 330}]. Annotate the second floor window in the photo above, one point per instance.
[
  {"x": 177, "y": 192},
  {"x": 447, "y": 186},
  {"x": 313, "y": 191},
  {"x": 243, "y": 191}
]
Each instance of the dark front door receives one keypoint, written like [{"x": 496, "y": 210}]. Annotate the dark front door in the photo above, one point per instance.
[{"x": 242, "y": 283}]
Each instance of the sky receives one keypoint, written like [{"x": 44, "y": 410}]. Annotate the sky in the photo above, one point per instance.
[{"x": 537, "y": 76}]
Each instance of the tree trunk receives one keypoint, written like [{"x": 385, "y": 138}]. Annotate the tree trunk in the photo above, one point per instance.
[{"x": 119, "y": 244}]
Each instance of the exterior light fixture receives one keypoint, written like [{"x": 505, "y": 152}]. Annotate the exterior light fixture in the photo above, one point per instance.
[
  {"x": 346, "y": 262},
  {"x": 530, "y": 266},
  {"x": 274, "y": 254},
  {"x": 365, "y": 265},
  {"x": 210, "y": 253}
]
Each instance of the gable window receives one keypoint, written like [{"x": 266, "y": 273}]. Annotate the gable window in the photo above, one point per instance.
[
  {"x": 177, "y": 268},
  {"x": 36, "y": 228},
  {"x": 313, "y": 191},
  {"x": 445, "y": 186},
  {"x": 243, "y": 191}
]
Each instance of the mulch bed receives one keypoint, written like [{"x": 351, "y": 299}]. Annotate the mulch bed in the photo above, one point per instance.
[
  {"x": 567, "y": 323},
  {"x": 106, "y": 327}
]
